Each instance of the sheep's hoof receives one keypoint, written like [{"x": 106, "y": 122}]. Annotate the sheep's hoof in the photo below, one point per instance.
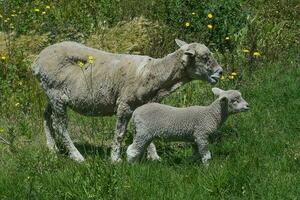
[
  {"x": 116, "y": 161},
  {"x": 153, "y": 157},
  {"x": 76, "y": 156}
]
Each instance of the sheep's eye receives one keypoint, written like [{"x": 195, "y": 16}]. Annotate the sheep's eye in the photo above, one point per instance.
[{"x": 204, "y": 58}]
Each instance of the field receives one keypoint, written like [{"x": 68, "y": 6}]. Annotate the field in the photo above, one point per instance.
[{"x": 255, "y": 155}]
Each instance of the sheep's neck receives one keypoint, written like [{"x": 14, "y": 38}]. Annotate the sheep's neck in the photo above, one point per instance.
[
  {"x": 218, "y": 112},
  {"x": 169, "y": 73}
]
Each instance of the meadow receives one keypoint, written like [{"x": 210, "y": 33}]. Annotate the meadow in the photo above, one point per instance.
[{"x": 256, "y": 155}]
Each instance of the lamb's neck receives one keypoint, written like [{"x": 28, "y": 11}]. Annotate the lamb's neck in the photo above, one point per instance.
[{"x": 218, "y": 112}]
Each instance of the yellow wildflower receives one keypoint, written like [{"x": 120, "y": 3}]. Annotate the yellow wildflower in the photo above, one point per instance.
[
  {"x": 187, "y": 24},
  {"x": 81, "y": 64},
  {"x": 13, "y": 15},
  {"x": 48, "y": 7},
  {"x": 256, "y": 54},
  {"x": 17, "y": 104},
  {"x": 3, "y": 58},
  {"x": 210, "y": 16},
  {"x": 1, "y": 130},
  {"x": 193, "y": 13},
  {"x": 91, "y": 59},
  {"x": 36, "y": 10},
  {"x": 231, "y": 77},
  {"x": 233, "y": 74},
  {"x": 227, "y": 38},
  {"x": 222, "y": 78},
  {"x": 209, "y": 26},
  {"x": 245, "y": 50},
  {"x": 43, "y": 13}
]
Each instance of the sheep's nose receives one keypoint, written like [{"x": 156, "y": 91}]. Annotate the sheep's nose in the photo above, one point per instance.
[{"x": 247, "y": 106}]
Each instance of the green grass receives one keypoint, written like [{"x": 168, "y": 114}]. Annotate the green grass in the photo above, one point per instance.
[{"x": 256, "y": 155}]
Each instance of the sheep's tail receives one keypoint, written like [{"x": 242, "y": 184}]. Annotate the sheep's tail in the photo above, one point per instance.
[{"x": 36, "y": 67}]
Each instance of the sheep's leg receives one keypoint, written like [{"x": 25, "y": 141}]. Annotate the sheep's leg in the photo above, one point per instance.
[
  {"x": 134, "y": 152},
  {"x": 123, "y": 116},
  {"x": 202, "y": 144},
  {"x": 152, "y": 153},
  {"x": 196, "y": 154},
  {"x": 49, "y": 129},
  {"x": 62, "y": 138},
  {"x": 138, "y": 147}
]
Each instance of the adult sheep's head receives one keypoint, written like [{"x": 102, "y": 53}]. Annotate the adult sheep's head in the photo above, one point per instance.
[{"x": 199, "y": 62}]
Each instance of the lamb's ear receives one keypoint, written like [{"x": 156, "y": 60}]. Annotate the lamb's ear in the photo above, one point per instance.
[
  {"x": 224, "y": 102},
  {"x": 180, "y": 43},
  {"x": 188, "y": 57},
  {"x": 217, "y": 91}
]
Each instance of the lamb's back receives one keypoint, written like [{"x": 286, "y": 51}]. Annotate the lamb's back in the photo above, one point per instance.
[{"x": 164, "y": 117}]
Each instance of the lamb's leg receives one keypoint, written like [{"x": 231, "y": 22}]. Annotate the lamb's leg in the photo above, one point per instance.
[
  {"x": 49, "y": 129},
  {"x": 152, "y": 153},
  {"x": 195, "y": 155},
  {"x": 62, "y": 138},
  {"x": 138, "y": 147},
  {"x": 202, "y": 144},
  {"x": 123, "y": 116}
]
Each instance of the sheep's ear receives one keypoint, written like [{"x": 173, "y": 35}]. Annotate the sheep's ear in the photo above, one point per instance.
[
  {"x": 224, "y": 102},
  {"x": 190, "y": 52},
  {"x": 217, "y": 91},
  {"x": 180, "y": 43}
]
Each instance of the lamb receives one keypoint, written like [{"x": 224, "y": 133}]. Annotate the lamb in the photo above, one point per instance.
[
  {"x": 98, "y": 83},
  {"x": 192, "y": 124}
]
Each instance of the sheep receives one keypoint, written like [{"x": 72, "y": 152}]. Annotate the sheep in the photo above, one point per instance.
[
  {"x": 98, "y": 83},
  {"x": 192, "y": 124}
]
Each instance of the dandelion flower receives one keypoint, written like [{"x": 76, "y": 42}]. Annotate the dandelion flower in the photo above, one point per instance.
[
  {"x": 3, "y": 58},
  {"x": 91, "y": 59},
  {"x": 48, "y": 7},
  {"x": 245, "y": 50},
  {"x": 233, "y": 74},
  {"x": 36, "y": 10},
  {"x": 209, "y": 26},
  {"x": 256, "y": 54},
  {"x": 227, "y": 38},
  {"x": 222, "y": 78},
  {"x": 81, "y": 64},
  {"x": 193, "y": 13},
  {"x": 43, "y": 13},
  {"x": 1, "y": 130},
  {"x": 187, "y": 24},
  {"x": 231, "y": 77},
  {"x": 210, "y": 16}
]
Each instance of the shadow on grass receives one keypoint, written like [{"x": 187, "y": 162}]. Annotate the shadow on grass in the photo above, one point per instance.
[{"x": 87, "y": 149}]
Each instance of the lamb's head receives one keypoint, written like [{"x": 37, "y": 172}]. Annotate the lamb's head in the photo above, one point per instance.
[
  {"x": 233, "y": 99},
  {"x": 199, "y": 62}
]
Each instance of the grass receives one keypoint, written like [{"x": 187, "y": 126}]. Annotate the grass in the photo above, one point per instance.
[{"x": 257, "y": 155}]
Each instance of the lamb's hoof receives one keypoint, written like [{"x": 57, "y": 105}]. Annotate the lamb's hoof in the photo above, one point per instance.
[{"x": 76, "y": 156}]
